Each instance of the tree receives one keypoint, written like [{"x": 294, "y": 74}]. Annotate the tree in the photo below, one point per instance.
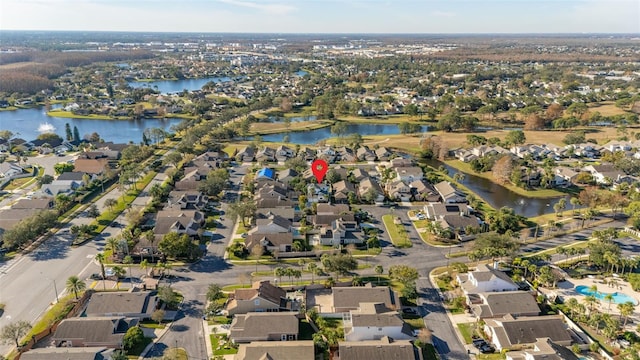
[
  {"x": 214, "y": 292},
  {"x": 76, "y": 134},
  {"x": 243, "y": 210},
  {"x": 502, "y": 169},
  {"x": 515, "y": 137},
  {"x": 503, "y": 220},
  {"x": 167, "y": 295},
  {"x": 175, "y": 245},
  {"x": 119, "y": 355},
  {"x": 403, "y": 273},
  {"x": 93, "y": 211},
  {"x": 339, "y": 129},
  {"x": 312, "y": 267},
  {"x": 215, "y": 182},
  {"x": 158, "y": 316},
  {"x": 67, "y": 130},
  {"x": 13, "y": 332},
  {"x": 128, "y": 260},
  {"x": 490, "y": 245},
  {"x": 110, "y": 203},
  {"x": 379, "y": 270},
  {"x": 101, "y": 259},
  {"x": 341, "y": 264},
  {"x": 626, "y": 310},
  {"x": 132, "y": 337},
  {"x": 75, "y": 285},
  {"x": 60, "y": 168}
]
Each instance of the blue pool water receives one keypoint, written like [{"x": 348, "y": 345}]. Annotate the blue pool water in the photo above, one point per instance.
[{"x": 618, "y": 298}]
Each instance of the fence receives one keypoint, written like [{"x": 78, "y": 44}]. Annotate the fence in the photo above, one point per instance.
[{"x": 77, "y": 308}]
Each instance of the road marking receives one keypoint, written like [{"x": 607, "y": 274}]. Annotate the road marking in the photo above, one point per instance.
[
  {"x": 93, "y": 284},
  {"x": 90, "y": 256}
]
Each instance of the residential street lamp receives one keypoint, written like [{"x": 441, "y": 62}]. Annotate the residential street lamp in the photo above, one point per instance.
[{"x": 55, "y": 288}]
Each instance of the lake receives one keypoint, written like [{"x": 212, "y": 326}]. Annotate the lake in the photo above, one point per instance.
[
  {"x": 498, "y": 196},
  {"x": 175, "y": 86},
  {"x": 25, "y": 123},
  {"x": 313, "y": 136}
]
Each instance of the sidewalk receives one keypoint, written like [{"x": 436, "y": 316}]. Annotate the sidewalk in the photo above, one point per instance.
[{"x": 458, "y": 319}]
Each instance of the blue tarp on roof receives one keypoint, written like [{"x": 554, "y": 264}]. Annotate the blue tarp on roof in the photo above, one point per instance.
[{"x": 266, "y": 173}]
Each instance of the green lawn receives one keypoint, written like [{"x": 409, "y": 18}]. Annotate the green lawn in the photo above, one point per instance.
[
  {"x": 467, "y": 332},
  {"x": 138, "y": 349},
  {"x": 221, "y": 346},
  {"x": 397, "y": 233},
  {"x": 56, "y": 312},
  {"x": 491, "y": 356}
]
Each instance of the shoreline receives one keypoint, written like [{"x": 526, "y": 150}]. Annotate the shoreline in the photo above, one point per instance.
[{"x": 70, "y": 115}]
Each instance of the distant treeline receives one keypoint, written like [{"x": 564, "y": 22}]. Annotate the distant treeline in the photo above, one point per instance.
[
  {"x": 521, "y": 55},
  {"x": 30, "y": 72}
]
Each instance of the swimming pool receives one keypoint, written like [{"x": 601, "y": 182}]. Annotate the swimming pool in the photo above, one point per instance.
[{"x": 618, "y": 298}]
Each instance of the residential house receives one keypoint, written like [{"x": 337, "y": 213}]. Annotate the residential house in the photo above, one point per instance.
[
  {"x": 606, "y": 174},
  {"x": 564, "y": 176},
  {"x": 517, "y": 333},
  {"x": 247, "y": 154},
  {"x": 318, "y": 193},
  {"x": 498, "y": 304},
  {"x": 373, "y": 321},
  {"x": 45, "y": 203},
  {"x": 285, "y": 176},
  {"x": 327, "y": 153},
  {"x": 359, "y": 174},
  {"x": 271, "y": 326},
  {"x": 307, "y": 154},
  {"x": 464, "y": 155},
  {"x": 383, "y": 349},
  {"x": 543, "y": 348},
  {"x": 181, "y": 221},
  {"x": 281, "y": 242},
  {"x": 340, "y": 170},
  {"x": 283, "y": 212},
  {"x": 333, "y": 209},
  {"x": 273, "y": 224},
  {"x": 67, "y": 353},
  {"x": 424, "y": 191},
  {"x": 191, "y": 199},
  {"x": 11, "y": 217},
  {"x": 398, "y": 190},
  {"x": 401, "y": 162},
  {"x": 365, "y": 154},
  {"x": 449, "y": 194},
  {"x": 346, "y": 155},
  {"x": 9, "y": 169},
  {"x": 370, "y": 186},
  {"x": 139, "y": 305},
  {"x": 488, "y": 150},
  {"x": 266, "y": 154},
  {"x": 341, "y": 191},
  {"x": 383, "y": 154},
  {"x": 345, "y": 299},
  {"x": 437, "y": 211},
  {"x": 269, "y": 350},
  {"x": 284, "y": 153},
  {"x": 92, "y": 332},
  {"x": 408, "y": 174},
  {"x": 266, "y": 173},
  {"x": 485, "y": 279},
  {"x": 69, "y": 183},
  {"x": 261, "y": 297},
  {"x": 91, "y": 166}
]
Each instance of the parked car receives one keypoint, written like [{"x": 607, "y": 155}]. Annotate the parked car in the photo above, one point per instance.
[
  {"x": 479, "y": 342},
  {"x": 487, "y": 349},
  {"x": 409, "y": 311},
  {"x": 95, "y": 276}
]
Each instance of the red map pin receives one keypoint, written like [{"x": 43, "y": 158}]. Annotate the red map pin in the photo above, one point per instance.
[{"x": 319, "y": 167}]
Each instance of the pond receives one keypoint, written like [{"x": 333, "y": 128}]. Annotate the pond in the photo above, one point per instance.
[
  {"x": 29, "y": 123},
  {"x": 175, "y": 86},
  {"x": 498, "y": 196},
  {"x": 313, "y": 136}
]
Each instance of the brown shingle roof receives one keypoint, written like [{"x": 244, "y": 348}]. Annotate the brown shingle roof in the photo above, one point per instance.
[
  {"x": 90, "y": 166},
  {"x": 259, "y": 326},
  {"x": 351, "y": 297},
  {"x": 281, "y": 350},
  {"x": 383, "y": 349}
]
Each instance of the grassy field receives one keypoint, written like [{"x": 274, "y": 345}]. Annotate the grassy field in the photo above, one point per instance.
[
  {"x": 397, "y": 233},
  {"x": 607, "y": 108},
  {"x": 220, "y": 346},
  {"x": 264, "y": 128}
]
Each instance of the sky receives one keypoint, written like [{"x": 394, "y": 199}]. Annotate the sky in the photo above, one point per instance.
[{"x": 325, "y": 16}]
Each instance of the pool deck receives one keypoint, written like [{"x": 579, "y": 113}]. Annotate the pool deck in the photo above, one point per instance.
[{"x": 566, "y": 290}]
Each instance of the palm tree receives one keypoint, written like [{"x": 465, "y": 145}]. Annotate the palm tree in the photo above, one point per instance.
[
  {"x": 100, "y": 258},
  {"x": 279, "y": 272},
  {"x": 572, "y": 304},
  {"x": 591, "y": 302},
  {"x": 312, "y": 268},
  {"x": 574, "y": 202},
  {"x": 110, "y": 203},
  {"x": 119, "y": 272},
  {"x": 458, "y": 177},
  {"x": 75, "y": 285},
  {"x": 144, "y": 264},
  {"x": 128, "y": 260},
  {"x": 379, "y": 270},
  {"x": 626, "y": 309},
  {"x": 608, "y": 298},
  {"x": 112, "y": 244}
]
